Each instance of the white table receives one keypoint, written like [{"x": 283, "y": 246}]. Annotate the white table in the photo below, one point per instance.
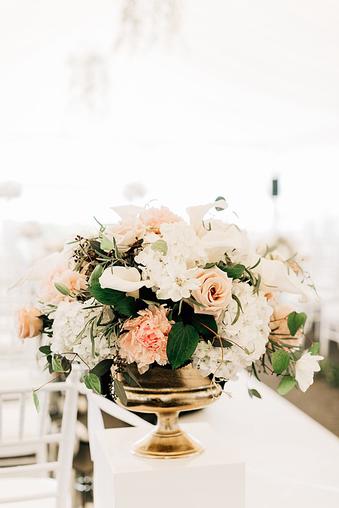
[{"x": 291, "y": 460}]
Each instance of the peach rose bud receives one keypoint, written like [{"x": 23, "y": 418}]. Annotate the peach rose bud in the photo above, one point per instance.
[{"x": 30, "y": 323}]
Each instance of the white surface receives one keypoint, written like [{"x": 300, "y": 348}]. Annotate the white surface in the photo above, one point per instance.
[
  {"x": 291, "y": 460},
  {"x": 288, "y": 455},
  {"x": 167, "y": 483}
]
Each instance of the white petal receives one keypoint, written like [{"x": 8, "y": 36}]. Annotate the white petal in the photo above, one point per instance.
[{"x": 121, "y": 279}]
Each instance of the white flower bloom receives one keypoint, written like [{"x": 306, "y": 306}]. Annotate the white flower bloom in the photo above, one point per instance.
[
  {"x": 178, "y": 282},
  {"x": 121, "y": 278},
  {"x": 170, "y": 268},
  {"x": 168, "y": 276},
  {"x": 249, "y": 334},
  {"x": 214, "y": 360},
  {"x": 305, "y": 368},
  {"x": 226, "y": 238},
  {"x": 183, "y": 243},
  {"x": 72, "y": 335},
  {"x": 276, "y": 276}
]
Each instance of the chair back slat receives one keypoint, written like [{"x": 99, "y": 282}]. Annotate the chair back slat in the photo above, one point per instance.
[
  {"x": 22, "y": 410},
  {"x": 19, "y": 402}
]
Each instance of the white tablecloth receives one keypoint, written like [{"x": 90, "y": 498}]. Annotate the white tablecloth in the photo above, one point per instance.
[{"x": 289, "y": 457}]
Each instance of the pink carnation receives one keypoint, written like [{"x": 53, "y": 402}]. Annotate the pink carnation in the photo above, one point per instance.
[
  {"x": 154, "y": 217},
  {"x": 146, "y": 339}
]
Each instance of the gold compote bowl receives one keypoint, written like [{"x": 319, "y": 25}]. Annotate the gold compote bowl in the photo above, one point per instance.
[{"x": 166, "y": 393}]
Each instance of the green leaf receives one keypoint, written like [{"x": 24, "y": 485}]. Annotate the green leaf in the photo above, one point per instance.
[
  {"x": 106, "y": 244},
  {"x": 239, "y": 309},
  {"x": 62, "y": 289},
  {"x": 45, "y": 350},
  {"x": 233, "y": 271},
  {"x": 286, "y": 385},
  {"x": 280, "y": 361},
  {"x": 182, "y": 342},
  {"x": 119, "y": 391},
  {"x": 102, "y": 367},
  {"x": 125, "y": 305},
  {"x": 223, "y": 204},
  {"x": 92, "y": 382},
  {"x": 57, "y": 364},
  {"x": 252, "y": 392},
  {"x": 36, "y": 401},
  {"x": 160, "y": 246},
  {"x": 315, "y": 348},
  {"x": 295, "y": 321},
  {"x": 205, "y": 325}
]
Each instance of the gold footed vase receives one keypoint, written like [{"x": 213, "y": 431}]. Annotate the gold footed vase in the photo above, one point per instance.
[{"x": 166, "y": 393}]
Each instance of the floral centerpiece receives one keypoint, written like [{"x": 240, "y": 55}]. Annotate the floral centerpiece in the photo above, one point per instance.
[{"x": 154, "y": 291}]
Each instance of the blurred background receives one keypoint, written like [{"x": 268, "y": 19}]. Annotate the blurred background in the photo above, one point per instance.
[{"x": 179, "y": 101}]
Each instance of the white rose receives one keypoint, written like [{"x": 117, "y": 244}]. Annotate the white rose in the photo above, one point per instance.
[
  {"x": 120, "y": 278},
  {"x": 305, "y": 368}
]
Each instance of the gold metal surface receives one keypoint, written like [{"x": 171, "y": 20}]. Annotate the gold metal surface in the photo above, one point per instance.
[{"x": 166, "y": 393}]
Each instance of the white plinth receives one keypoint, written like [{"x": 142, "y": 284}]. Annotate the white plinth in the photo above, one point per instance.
[{"x": 123, "y": 480}]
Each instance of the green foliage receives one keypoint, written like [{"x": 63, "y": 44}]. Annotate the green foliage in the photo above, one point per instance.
[
  {"x": 280, "y": 361},
  {"x": 330, "y": 371},
  {"x": 160, "y": 246},
  {"x": 57, "y": 364},
  {"x": 205, "y": 325},
  {"x": 252, "y": 392},
  {"x": 286, "y": 385},
  {"x": 106, "y": 244},
  {"x": 119, "y": 391},
  {"x": 222, "y": 206},
  {"x": 239, "y": 309},
  {"x": 295, "y": 321},
  {"x": 36, "y": 400},
  {"x": 182, "y": 342},
  {"x": 62, "y": 289},
  {"x": 92, "y": 382},
  {"x": 45, "y": 350},
  {"x": 123, "y": 304},
  {"x": 233, "y": 271},
  {"x": 315, "y": 348},
  {"x": 102, "y": 367}
]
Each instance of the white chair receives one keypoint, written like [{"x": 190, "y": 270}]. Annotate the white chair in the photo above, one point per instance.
[
  {"x": 97, "y": 404},
  {"x": 16, "y": 380},
  {"x": 29, "y": 486},
  {"x": 95, "y": 421}
]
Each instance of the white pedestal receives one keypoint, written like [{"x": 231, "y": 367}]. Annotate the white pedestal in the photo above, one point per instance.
[{"x": 124, "y": 480}]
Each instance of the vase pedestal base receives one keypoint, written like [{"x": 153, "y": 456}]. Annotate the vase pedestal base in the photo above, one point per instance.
[{"x": 167, "y": 446}]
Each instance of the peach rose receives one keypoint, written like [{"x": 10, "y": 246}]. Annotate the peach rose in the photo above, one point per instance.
[
  {"x": 214, "y": 293},
  {"x": 152, "y": 218},
  {"x": 146, "y": 339},
  {"x": 279, "y": 327},
  {"x": 29, "y": 323},
  {"x": 72, "y": 280},
  {"x": 125, "y": 233}
]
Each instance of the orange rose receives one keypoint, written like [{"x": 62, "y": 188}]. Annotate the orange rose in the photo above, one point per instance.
[
  {"x": 30, "y": 323},
  {"x": 214, "y": 293}
]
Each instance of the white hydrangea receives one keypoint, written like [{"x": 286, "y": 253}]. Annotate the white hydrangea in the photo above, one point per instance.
[
  {"x": 213, "y": 360},
  {"x": 72, "y": 335},
  {"x": 169, "y": 267},
  {"x": 249, "y": 335}
]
